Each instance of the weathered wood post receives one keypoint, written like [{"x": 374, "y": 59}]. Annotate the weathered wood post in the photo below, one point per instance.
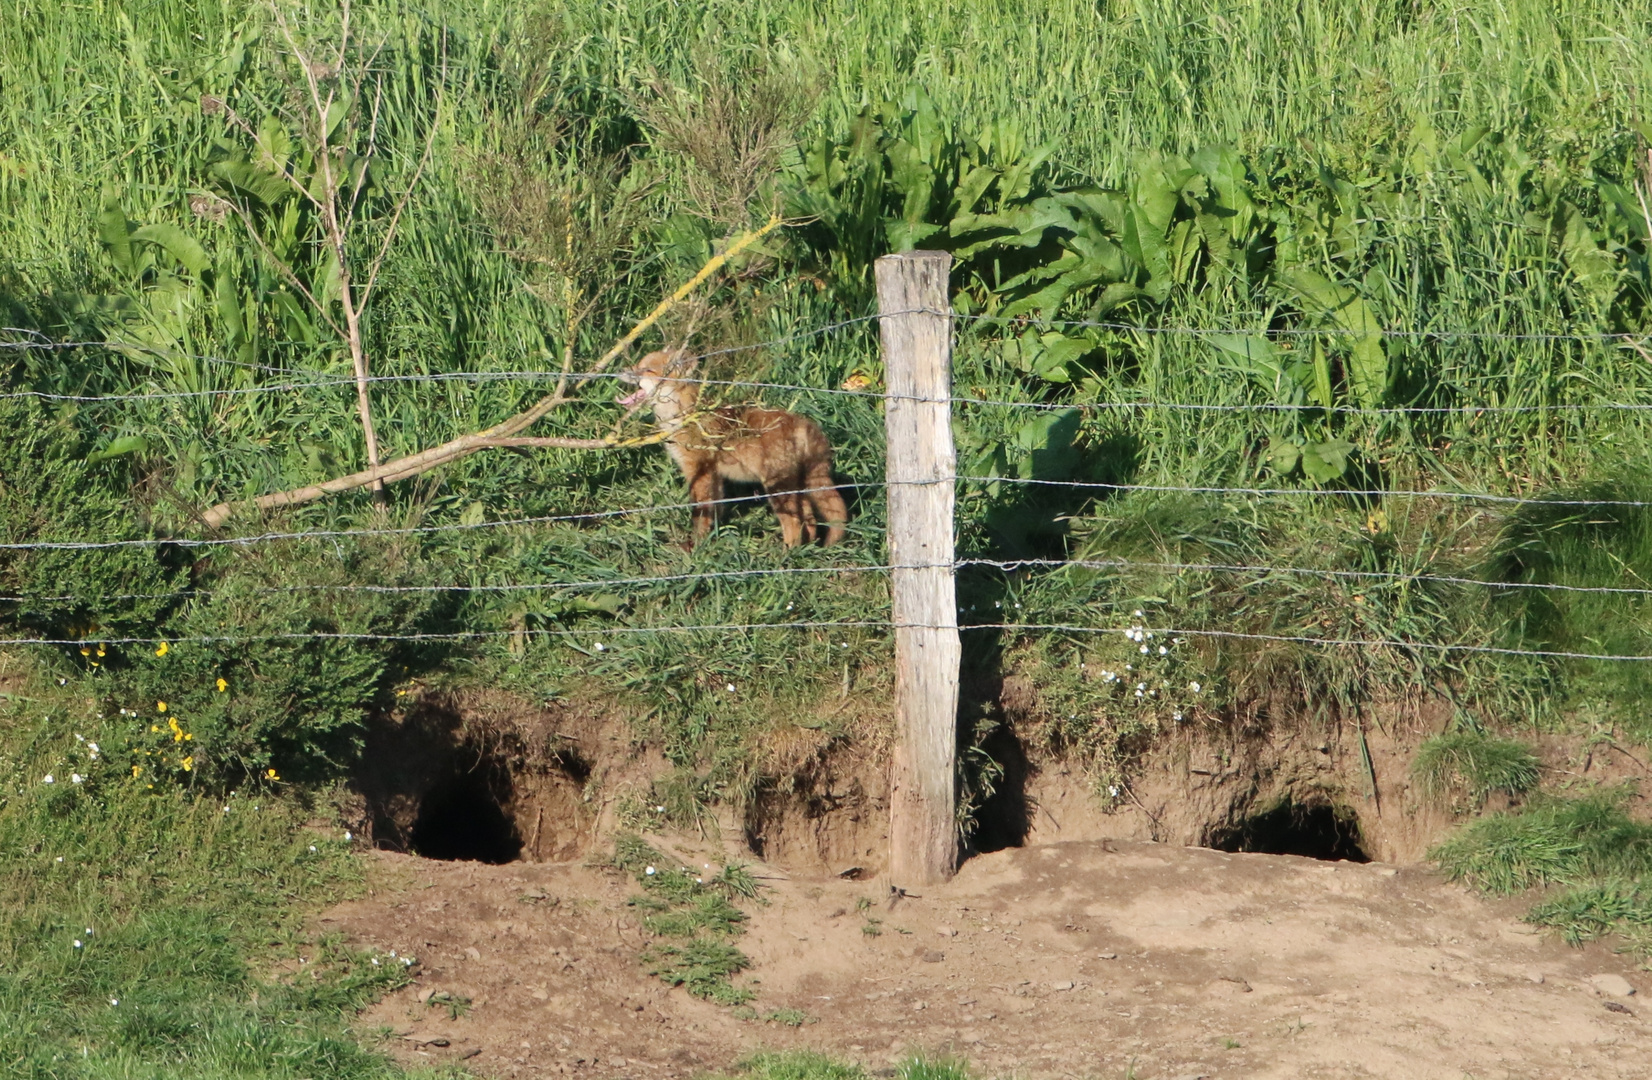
[{"x": 916, "y": 327}]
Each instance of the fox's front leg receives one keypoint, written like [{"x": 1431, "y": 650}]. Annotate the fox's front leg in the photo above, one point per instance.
[{"x": 705, "y": 491}]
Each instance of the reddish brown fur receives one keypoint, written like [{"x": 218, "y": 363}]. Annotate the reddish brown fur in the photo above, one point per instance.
[{"x": 788, "y": 455}]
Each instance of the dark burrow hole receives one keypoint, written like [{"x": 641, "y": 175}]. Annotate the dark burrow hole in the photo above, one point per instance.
[
  {"x": 463, "y": 817},
  {"x": 1314, "y": 831},
  {"x": 1004, "y": 818}
]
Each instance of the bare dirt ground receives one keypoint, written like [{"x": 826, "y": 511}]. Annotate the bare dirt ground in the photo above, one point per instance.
[{"x": 1082, "y": 959}]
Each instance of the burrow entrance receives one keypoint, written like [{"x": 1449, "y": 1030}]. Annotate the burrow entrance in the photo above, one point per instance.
[
  {"x": 1315, "y": 830},
  {"x": 464, "y": 818},
  {"x": 440, "y": 785}
]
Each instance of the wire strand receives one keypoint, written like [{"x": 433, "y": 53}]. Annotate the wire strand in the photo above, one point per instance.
[
  {"x": 411, "y": 530},
  {"x": 1313, "y": 492},
  {"x": 1250, "y": 568}
]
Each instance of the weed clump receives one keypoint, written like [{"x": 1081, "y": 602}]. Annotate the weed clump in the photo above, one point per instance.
[
  {"x": 1474, "y": 764},
  {"x": 696, "y": 913}
]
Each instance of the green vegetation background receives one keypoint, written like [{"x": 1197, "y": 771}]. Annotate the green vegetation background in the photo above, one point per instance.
[{"x": 1292, "y": 176}]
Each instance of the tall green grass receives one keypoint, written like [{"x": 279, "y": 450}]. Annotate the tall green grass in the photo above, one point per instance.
[{"x": 1348, "y": 112}]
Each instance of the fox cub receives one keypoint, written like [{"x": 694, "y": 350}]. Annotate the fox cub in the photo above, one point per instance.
[{"x": 785, "y": 453}]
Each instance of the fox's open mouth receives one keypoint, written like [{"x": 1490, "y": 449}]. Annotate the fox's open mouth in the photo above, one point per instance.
[{"x": 633, "y": 398}]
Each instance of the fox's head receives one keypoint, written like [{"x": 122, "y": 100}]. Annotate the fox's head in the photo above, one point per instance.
[{"x": 654, "y": 370}]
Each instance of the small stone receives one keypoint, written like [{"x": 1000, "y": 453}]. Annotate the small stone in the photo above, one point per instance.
[
  {"x": 1193, "y": 1076},
  {"x": 920, "y": 1006},
  {"x": 1534, "y": 975},
  {"x": 838, "y": 913},
  {"x": 468, "y": 1054},
  {"x": 618, "y": 1063},
  {"x": 1618, "y": 1007},
  {"x": 1612, "y": 985},
  {"x": 934, "y": 956},
  {"x": 473, "y": 952},
  {"x": 946, "y": 931},
  {"x": 424, "y": 995},
  {"x": 970, "y": 1038},
  {"x": 1107, "y": 956},
  {"x": 1064, "y": 984},
  {"x": 1387, "y": 871}
]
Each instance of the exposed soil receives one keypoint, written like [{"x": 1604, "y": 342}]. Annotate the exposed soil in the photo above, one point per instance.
[
  {"x": 1101, "y": 946},
  {"x": 1081, "y": 959}
]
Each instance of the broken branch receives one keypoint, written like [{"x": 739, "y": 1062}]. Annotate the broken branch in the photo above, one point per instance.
[{"x": 506, "y": 431}]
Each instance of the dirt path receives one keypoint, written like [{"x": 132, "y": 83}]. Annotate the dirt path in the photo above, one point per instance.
[{"x": 1067, "y": 960}]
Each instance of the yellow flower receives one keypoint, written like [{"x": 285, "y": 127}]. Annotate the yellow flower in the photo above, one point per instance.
[
  {"x": 101, "y": 650},
  {"x": 160, "y": 706},
  {"x": 222, "y": 686},
  {"x": 84, "y": 651},
  {"x": 154, "y": 727},
  {"x": 271, "y": 774},
  {"x": 136, "y": 769},
  {"x": 163, "y": 649},
  {"x": 188, "y": 735},
  {"x": 188, "y": 763}
]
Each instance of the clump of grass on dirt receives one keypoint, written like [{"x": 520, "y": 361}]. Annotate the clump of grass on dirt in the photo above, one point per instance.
[
  {"x": 1590, "y": 846},
  {"x": 140, "y": 915},
  {"x": 695, "y": 909},
  {"x": 1474, "y": 764}
]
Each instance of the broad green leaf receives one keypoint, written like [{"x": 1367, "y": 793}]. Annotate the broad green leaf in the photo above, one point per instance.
[
  {"x": 1048, "y": 442},
  {"x": 261, "y": 184},
  {"x": 125, "y": 444},
  {"x": 337, "y": 110},
  {"x": 1361, "y": 333},
  {"x": 1284, "y": 455},
  {"x": 1323, "y": 462},
  {"x": 115, "y": 233},
  {"x": 226, "y": 301},
  {"x": 1253, "y": 351},
  {"x": 176, "y": 243},
  {"x": 1595, "y": 269}
]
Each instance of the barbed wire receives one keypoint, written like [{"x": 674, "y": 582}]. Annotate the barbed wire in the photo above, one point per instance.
[
  {"x": 1262, "y": 569},
  {"x": 1006, "y": 565},
  {"x": 458, "y": 635},
  {"x": 884, "y": 624},
  {"x": 1294, "y": 331},
  {"x": 1400, "y": 493},
  {"x": 412, "y": 530},
  {"x": 592, "y": 583},
  {"x": 1307, "y": 639},
  {"x": 549, "y": 375}
]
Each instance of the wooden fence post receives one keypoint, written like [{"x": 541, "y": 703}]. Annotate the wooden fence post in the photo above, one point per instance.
[{"x": 916, "y": 327}]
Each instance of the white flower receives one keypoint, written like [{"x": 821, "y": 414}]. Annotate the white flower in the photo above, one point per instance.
[
  {"x": 88, "y": 931},
  {"x": 93, "y": 747},
  {"x": 49, "y": 779},
  {"x": 375, "y": 961},
  {"x": 1144, "y": 650},
  {"x": 788, "y": 607},
  {"x": 1130, "y": 667},
  {"x": 79, "y": 737},
  {"x": 226, "y": 809},
  {"x": 312, "y": 847},
  {"x": 699, "y": 881},
  {"x": 601, "y": 647},
  {"x": 1163, "y": 651},
  {"x": 75, "y": 778},
  {"x": 1137, "y": 614},
  {"x": 659, "y": 809},
  {"x": 729, "y": 688},
  {"x": 1177, "y": 715},
  {"x": 392, "y": 952},
  {"x": 347, "y": 836},
  {"x": 60, "y": 858},
  {"x": 114, "y": 1001},
  {"x": 1138, "y": 693},
  {"x": 1113, "y": 790},
  {"x": 650, "y": 871},
  {"x": 77, "y": 943},
  {"x": 1194, "y": 686}
]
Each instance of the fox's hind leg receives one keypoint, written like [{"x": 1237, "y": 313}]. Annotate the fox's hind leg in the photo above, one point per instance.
[{"x": 827, "y": 504}]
